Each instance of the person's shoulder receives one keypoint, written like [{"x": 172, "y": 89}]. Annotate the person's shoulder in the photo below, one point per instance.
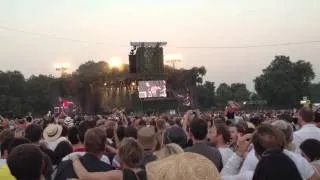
[
  {"x": 188, "y": 149},
  {"x": 64, "y": 164},
  {"x": 213, "y": 149}
]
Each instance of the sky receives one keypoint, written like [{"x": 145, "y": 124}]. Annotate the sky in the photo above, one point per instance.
[{"x": 36, "y": 34}]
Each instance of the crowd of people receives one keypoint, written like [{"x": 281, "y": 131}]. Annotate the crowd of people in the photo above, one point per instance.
[{"x": 198, "y": 146}]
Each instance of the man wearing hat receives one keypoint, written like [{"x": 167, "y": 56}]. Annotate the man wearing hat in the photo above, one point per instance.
[
  {"x": 52, "y": 135},
  {"x": 147, "y": 139}
]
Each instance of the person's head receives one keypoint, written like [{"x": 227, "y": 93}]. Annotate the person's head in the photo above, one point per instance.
[
  {"x": 198, "y": 129},
  {"x": 274, "y": 164},
  {"x": 16, "y": 142},
  {"x": 147, "y": 138},
  {"x": 175, "y": 135},
  {"x": 120, "y": 132},
  {"x": 63, "y": 148},
  {"x": 4, "y": 134},
  {"x": 286, "y": 128},
  {"x": 73, "y": 135},
  {"x": 82, "y": 129},
  {"x": 161, "y": 124},
  {"x": 4, "y": 148},
  {"x": 26, "y": 162},
  {"x": 52, "y": 132},
  {"x": 236, "y": 130},
  {"x": 109, "y": 132},
  {"x": 317, "y": 117},
  {"x": 310, "y": 149},
  {"x": 168, "y": 150},
  {"x": 33, "y": 133},
  {"x": 95, "y": 141},
  {"x": 142, "y": 123},
  {"x": 64, "y": 132},
  {"x": 131, "y": 132},
  {"x": 186, "y": 166},
  {"x": 29, "y": 119},
  {"x": 267, "y": 137},
  {"x": 130, "y": 153},
  {"x": 222, "y": 135},
  {"x": 306, "y": 115}
]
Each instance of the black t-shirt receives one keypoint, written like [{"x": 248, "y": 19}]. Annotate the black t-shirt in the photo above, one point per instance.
[
  {"x": 147, "y": 157},
  {"x": 230, "y": 115},
  {"x": 89, "y": 161},
  {"x": 128, "y": 174}
]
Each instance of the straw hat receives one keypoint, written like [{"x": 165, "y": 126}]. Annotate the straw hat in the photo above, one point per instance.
[
  {"x": 147, "y": 137},
  {"x": 52, "y": 132},
  {"x": 187, "y": 166}
]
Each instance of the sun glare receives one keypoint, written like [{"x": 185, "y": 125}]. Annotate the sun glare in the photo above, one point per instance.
[{"x": 115, "y": 62}]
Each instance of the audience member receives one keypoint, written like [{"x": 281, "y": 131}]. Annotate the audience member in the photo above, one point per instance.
[
  {"x": 147, "y": 139},
  {"x": 95, "y": 141},
  {"x": 274, "y": 164},
  {"x": 131, "y": 155},
  {"x": 26, "y": 162},
  {"x": 222, "y": 138},
  {"x": 308, "y": 129},
  {"x": 310, "y": 149},
  {"x": 52, "y": 135},
  {"x": 198, "y": 132},
  {"x": 175, "y": 135},
  {"x": 265, "y": 138},
  {"x": 4, "y": 170},
  {"x": 63, "y": 149},
  {"x": 73, "y": 137}
]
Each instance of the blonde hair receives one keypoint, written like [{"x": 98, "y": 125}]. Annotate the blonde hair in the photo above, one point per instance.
[
  {"x": 168, "y": 150},
  {"x": 183, "y": 166}
]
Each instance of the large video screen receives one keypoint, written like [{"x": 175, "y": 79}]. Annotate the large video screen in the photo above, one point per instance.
[{"x": 152, "y": 89}]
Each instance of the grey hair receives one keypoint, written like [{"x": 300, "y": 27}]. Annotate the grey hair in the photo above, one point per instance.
[{"x": 285, "y": 127}]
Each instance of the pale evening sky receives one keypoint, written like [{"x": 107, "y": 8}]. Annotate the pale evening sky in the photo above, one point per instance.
[{"x": 104, "y": 29}]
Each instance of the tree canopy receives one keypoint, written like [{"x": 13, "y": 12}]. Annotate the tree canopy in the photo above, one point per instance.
[
  {"x": 285, "y": 82},
  {"x": 282, "y": 83}
]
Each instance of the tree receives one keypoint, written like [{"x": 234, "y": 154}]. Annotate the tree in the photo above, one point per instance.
[
  {"x": 224, "y": 93},
  {"x": 12, "y": 91},
  {"x": 41, "y": 93},
  {"x": 206, "y": 94},
  {"x": 284, "y": 82},
  {"x": 315, "y": 92},
  {"x": 239, "y": 92}
]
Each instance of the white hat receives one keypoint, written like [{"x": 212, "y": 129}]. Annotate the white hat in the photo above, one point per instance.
[
  {"x": 68, "y": 122},
  {"x": 52, "y": 132}
]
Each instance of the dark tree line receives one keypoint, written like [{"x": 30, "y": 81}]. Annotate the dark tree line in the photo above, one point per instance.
[{"x": 282, "y": 83}]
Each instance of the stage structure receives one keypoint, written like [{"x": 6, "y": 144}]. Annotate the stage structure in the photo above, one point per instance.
[
  {"x": 145, "y": 87},
  {"x": 146, "y": 59}
]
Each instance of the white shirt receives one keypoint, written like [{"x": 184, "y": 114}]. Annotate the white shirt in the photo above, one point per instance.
[
  {"x": 53, "y": 144},
  {"x": 231, "y": 170},
  {"x": 307, "y": 131},
  {"x": 3, "y": 162},
  {"x": 304, "y": 167},
  {"x": 226, "y": 153}
]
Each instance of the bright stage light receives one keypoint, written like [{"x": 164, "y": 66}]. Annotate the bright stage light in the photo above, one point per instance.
[{"x": 115, "y": 62}]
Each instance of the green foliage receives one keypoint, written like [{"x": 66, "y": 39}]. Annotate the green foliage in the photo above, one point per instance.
[
  {"x": 235, "y": 92},
  {"x": 224, "y": 93},
  {"x": 284, "y": 82},
  {"x": 315, "y": 92},
  {"x": 206, "y": 94}
]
